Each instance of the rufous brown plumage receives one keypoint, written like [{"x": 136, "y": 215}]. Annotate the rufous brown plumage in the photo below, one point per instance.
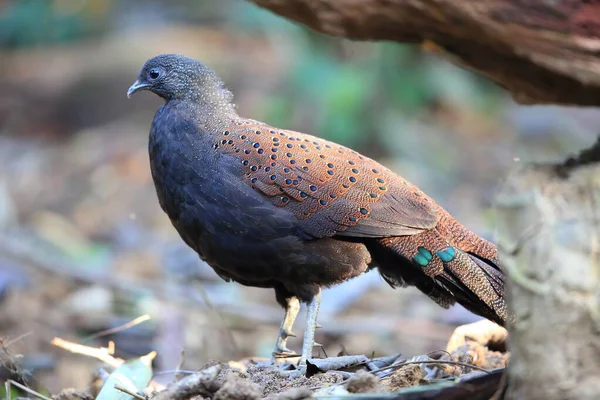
[{"x": 279, "y": 209}]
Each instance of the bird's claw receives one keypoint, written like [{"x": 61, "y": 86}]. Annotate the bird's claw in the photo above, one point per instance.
[
  {"x": 285, "y": 333},
  {"x": 294, "y": 373}
]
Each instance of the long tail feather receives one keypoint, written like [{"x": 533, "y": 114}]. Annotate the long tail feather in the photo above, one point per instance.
[{"x": 443, "y": 271}]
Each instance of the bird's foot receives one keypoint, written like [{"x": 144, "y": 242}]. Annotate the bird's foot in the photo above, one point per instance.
[{"x": 292, "y": 374}]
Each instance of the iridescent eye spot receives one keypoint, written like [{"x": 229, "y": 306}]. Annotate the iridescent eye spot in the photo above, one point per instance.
[
  {"x": 364, "y": 211},
  {"x": 230, "y": 141},
  {"x": 351, "y": 162},
  {"x": 380, "y": 180},
  {"x": 289, "y": 154},
  {"x": 260, "y": 151},
  {"x": 303, "y": 146},
  {"x": 345, "y": 186},
  {"x": 254, "y": 168},
  {"x": 258, "y": 132},
  {"x": 245, "y": 162},
  {"x": 247, "y": 151},
  {"x": 328, "y": 146},
  {"x": 273, "y": 177},
  {"x": 282, "y": 133},
  {"x": 382, "y": 188},
  {"x": 288, "y": 181},
  {"x": 375, "y": 171},
  {"x": 319, "y": 148},
  {"x": 272, "y": 131},
  {"x": 313, "y": 188},
  {"x": 329, "y": 165},
  {"x": 276, "y": 139},
  {"x": 274, "y": 157},
  {"x": 299, "y": 179},
  {"x": 352, "y": 179},
  {"x": 417, "y": 194},
  {"x": 253, "y": 180},
  {"x": 286, "y": 170},
  {"x": 308, "y": 160},
  {"x": 315, "y": 143},
  {"x": 305, "y": 168},
  {"x": 291, "y": 138},
  {"x": 226, "y": 133},
  {"x": 352, "y": 219},
  {"x": 274, "y": 150},
  {"x": 223, "y": 141},
  {"x": 330, "y": 172},
  {"x": 256, "y": 145},
  {"x": 303, "y": 195},
  {"x": 273, "y": 164},
  {"x": 289, "y": 145},
  {"x": 321, "y": 156},
  {"x": 353, "y": 152},
  {"x": 275, "y": 144},
  {"x": 292, "y": 161},
  {"x": 323, "y": 202},
  {"x": 284, "y": 199},
  {"x": 243, "y": 137},
  {"x": 373, "y": 195},
  {"x": 333, "y": 196},
  {"x": 355, "y": 170},
  {"x": 267, "y": 169}
]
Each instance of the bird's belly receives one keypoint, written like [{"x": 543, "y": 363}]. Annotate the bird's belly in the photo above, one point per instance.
[{"x": 243, "y": 236}]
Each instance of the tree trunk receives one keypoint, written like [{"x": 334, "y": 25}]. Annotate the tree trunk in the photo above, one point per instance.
[
  {"x": 542, "y": 51},
  {"x": 549, "y": 241}
]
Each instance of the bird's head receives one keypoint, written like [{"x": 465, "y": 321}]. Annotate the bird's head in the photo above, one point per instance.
[{"x": 173, "y": 76}]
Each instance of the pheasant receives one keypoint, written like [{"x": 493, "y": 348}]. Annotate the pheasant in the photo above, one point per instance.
[{"x": 273, "y": 208}]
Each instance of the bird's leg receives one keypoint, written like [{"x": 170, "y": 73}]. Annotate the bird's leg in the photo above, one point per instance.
[
  {"x": 285, "y": 330},
  {"x": 312, "y": 311}
]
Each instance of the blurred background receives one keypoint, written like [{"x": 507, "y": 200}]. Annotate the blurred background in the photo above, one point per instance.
[{"x": 84, "y": 246}]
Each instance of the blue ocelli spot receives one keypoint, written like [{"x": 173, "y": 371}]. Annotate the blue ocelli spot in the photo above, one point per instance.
[
  {"x": 446, "y": 255},
  {"x": 420, "y": 260},
  {"x": 425, "y": 253}
]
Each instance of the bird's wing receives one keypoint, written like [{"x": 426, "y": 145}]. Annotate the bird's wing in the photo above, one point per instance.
[{"x": 331, "y": 189}]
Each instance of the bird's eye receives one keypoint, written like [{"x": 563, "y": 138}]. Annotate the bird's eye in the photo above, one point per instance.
[{"x": 154, "y": 74}]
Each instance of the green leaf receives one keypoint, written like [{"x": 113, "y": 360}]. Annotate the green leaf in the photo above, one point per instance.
[{"x": 133, "y": 375}]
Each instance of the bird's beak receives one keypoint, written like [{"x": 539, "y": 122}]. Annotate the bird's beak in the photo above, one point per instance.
[{"x": 137, "y": 85}]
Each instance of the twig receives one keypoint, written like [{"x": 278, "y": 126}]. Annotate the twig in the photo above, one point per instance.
[
  {"x": 463, "y": 364},
  {"x": 126, "y": 391},
  {"x": 18, "y": 338},
  {"x": 220, "y": 320},
  {"x": 178, "y": 375},
  {"x": 408, "y": 363},
  {"x": 25, "y": 388},
  {"x": 120, "y": 328},
  {"x": 7, "y": 389},
  {"x": 102, "y": 353}
]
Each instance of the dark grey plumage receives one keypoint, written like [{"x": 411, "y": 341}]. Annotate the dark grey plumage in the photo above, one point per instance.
[{"x": 279, "y": 209}]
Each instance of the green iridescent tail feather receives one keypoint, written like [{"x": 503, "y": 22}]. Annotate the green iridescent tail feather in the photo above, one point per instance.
[{"x": 445, "y": 272}]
